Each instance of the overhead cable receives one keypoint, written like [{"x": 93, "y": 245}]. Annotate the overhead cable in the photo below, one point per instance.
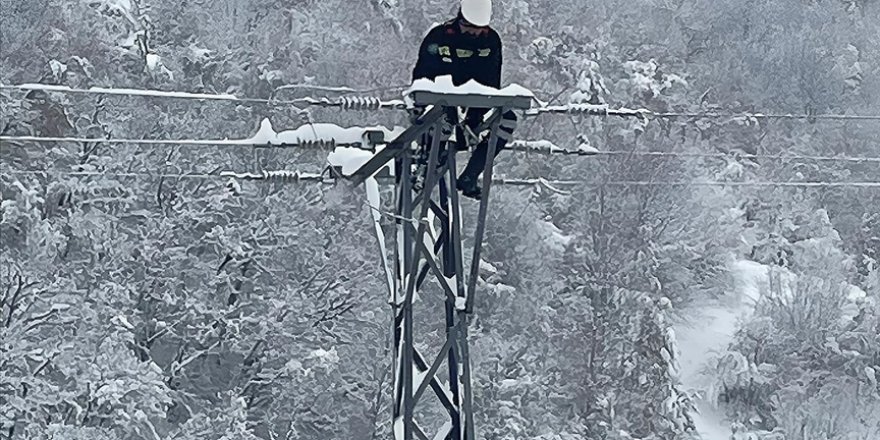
[
  {"x": 345, "y": 102},
  {"x": 541, "y": 147},
  {"x": 548, "y": 148},
  {"x": 604, "y": 110},
  {"x": 681, "y": 183},
  {"x": 303, "y": 143},
  {"x": 296, "y": 176},
  {"x": 281, "y": 176}
]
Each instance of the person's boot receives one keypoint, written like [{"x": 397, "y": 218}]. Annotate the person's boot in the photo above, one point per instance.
[{"x": 469, "y": 187}]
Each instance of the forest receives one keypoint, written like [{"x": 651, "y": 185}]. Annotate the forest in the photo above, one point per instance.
[{"x": 137, "y": 303}]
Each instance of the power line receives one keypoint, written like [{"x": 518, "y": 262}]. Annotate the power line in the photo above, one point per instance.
[
  {"x": 548, "y": 148},
  {"x": 603, "y": 110},
  {"x": 282, "y": 176},
  {"x": 376, "y": 103},
  {"x": 297, "y": 176},
  {"x": 183, "y": 142},
  {"x": 339, "y": 89},
  {"x": 346, "y": 103},
  {"x": 681, "y": 183},
  {"x": 540, "y": 147}
]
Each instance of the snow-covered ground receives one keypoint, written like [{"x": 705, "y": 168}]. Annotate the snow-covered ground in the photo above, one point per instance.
[{"x": 707, "y": 332}]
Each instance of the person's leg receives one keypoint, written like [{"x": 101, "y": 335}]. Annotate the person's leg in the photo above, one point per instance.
[{"x": 468, "y": 180}]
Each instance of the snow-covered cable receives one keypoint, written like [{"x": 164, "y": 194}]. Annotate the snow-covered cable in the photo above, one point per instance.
[
  {"x": 360, "y": 103},
  {"x": 283, "y": 176},
  {"x": 131, "y": 92},
  {"x": 735, "y": 155},
  {"x": 339, "y": 89},
  {"x": 370, "y": 103},
  {"x": 547, "y": 147},
  {"x": 293, "y": 176},
  {"x": 189, "y": 142},
  {"x": 542, "y": 147},
  {"x": 194, "y": 176},
  {"x": 345, "y": 103},
  {"x": 681, "y": 183},
  {"x": 184, "y": 142},
  {"x": 603, "y": 110}
]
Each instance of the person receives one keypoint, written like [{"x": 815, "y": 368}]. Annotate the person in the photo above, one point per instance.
[{"x": 467, "y": 48}]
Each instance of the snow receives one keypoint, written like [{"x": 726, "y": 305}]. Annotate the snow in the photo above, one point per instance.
[
  {"x": 443, "y": 84},
  {"x": 541, "y": 146},
  {"x": 122, "y": 321},
  {"x": 58, "y": 68},
  {"x": 591, "y": 109},
  {"x": 156, "y": 66},
  {"x": 509, "y": 383},
  {"x": 199, "y": 53},
  {"x": 855, "y": 299},
  {"x": 327, "y": 133},
  {"x": 129, "y": 92},
  {"x": 398, "y": 428},
  {"x": 311, "y": 133},
  {"x": 130, "y": 41},
  {"x": 710, "y": 333},
  {"x": 488, "y": 267},
  {"x": 153, "y": 61},
  {"x": 552, "y": 235},
  {"x": 327, "y": 358},
  {"x": 372, "y": 187},
  {"x": 120, "y": 7},
  {"x": 441, "y": 434},
  {"x": 418, "y": 378},
  {"x": 587, "y": 149},
  {"x": 350, "y": 159},
  {"x": 871, "y": 375}
]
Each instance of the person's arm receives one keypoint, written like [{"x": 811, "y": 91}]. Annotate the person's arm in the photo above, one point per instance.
[
  {"x": 495, "y": 62},
  {"x": 426, "y": 64},
  {"x": 491, "y": 76}
]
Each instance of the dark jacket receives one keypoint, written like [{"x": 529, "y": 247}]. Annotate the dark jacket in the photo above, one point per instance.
[{"x": 446, "y": 50}]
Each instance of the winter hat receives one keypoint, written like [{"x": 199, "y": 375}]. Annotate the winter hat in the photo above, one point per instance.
[{"x": 477, "y": 12}]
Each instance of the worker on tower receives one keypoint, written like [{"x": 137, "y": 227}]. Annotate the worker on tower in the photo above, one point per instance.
[{"x": 466, "y": 48}]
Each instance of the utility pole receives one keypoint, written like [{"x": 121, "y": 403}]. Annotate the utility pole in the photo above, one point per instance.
[{"x": 429, "y": 242}]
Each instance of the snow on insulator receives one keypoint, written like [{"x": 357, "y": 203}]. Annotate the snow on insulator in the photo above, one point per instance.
[
  {"x": 360, "y": 103},
  {"x": 541, "y": 146},
  {"x": 547, "y": 147},
  {"x": 589, "y": 109},
  {"x": 357, "y": 103},
  {"x": 283, "y": 176},
  {"x": 329, "y": 144}
]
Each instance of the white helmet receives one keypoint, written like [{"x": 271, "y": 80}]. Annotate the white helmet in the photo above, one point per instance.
[{"x": 477, "y": 12}]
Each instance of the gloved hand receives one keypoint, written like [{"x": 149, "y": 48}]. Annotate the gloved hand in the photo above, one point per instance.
[{"x": 415, "y": 113}]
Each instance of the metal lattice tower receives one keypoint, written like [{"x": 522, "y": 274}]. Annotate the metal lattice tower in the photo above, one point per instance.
[{"x": 429, "y": 242}]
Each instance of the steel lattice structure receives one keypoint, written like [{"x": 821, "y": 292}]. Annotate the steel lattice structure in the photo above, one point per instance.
[{"x": 429, "y": 242}]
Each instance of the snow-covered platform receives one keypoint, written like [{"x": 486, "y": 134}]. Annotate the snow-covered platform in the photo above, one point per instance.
[
  {"x": 440, "y": 94},
  {"x": 441, "y": 91}
]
